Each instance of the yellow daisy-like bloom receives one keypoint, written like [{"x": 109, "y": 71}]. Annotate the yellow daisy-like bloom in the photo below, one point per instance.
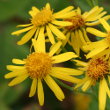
[
  {"x": 96, "y": 70},
  {"x": 76, "y": 33},
  {"x": 46, "y": 19},
  {"x": 101, "y": 46},
  {"x": 40, "y": 66}
]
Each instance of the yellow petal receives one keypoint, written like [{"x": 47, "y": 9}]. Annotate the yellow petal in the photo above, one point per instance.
[
  {"x": 69, "y": 8},
  {"x": 85, "y": 35},
  {"x": 94, "y": 23},
  {"x": 33, "y": 87},
  {"x": 96, "y": 14},
  {"x": 27, "y": 37},
  {"x": 54, "y": 48},
  {"x": 39, "y": 44},
  {"x": 102, "y": 95},
  {"x": 14, "y": 68},
  {"x": 87, "y": 85},
  {"x": 96, "y": 32},
  {"x": 105, "y": 25},
  {"x": 101, "y": 15},
  {"x": 23, "y": 25},
  {"x": 76, "y": 42},
  {"x": 64, "y": 42},
  {"x": 66, "y": 15},
  {"x": 66, "y": 71},
  {"x": 22, "y": 30},
  {"x": 18, "y": 80},
  {"x": 34, "y": 11},
  {"x": 93, "y": 10},
  {"x": 81, "y": 82},
  {"x": 68, "y": 34},
  {"x": 84, "y": 14},
  {"x": 80, "y": 63},
  {"x": 92, "y": 45},
  {"x": 63, "y": 57},
  {"x": 82, "y": 37},
  {"x": 106, "y": 17},
  {"x": 37, "y": 33},
  {"x": 79, "y": 11},
  {"x": 57, "y": 32},
  {"x": 54, "y": 87},
  {"x": 18, "y": 61},
  {"x": 97, "y": 50},
  {"x": 50, "y": 35},
  {"x": 40, "y": 92},
  {"x": 61, "y": 23},
  {"x": 65, "y": 77},
  {"x": 35, "y": 37},
  {"x": 47, "y": 6},
  {"x": 34, "y": 43},
  {"x": 15, "y": 74},
  {"x": 106, "y": 87}
]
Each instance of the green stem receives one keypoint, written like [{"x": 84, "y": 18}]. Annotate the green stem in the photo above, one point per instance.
[
  {"x": 89, "y": 2},
  {"x": 94, "y": 93},
  {"x": 92, "y": 3}
]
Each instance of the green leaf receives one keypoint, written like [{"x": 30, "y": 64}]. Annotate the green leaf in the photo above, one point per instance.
[
  {"x": 9, "y": 50},
  {"x": 9, "y": 8},
  {"x": 82, "y": 4}
]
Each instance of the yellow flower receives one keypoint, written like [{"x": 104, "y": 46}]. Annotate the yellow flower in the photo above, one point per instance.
[
  {"x": 45, "y": 21},
  {"x": 96, "y": 70},
  {"x": 76, "y": 33},
  {"x": 101, "y": 46},
  {"x": 40, "y": 66}
]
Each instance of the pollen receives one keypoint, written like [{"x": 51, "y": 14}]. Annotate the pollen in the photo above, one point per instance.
[
  {"x": 98, "y": 68},
  {"x": 38, "y": 65},
  {"x": 43, "y": 17},
  {"x": 77, "y": 22}
]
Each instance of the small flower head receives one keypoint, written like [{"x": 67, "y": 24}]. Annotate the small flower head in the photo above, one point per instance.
[
  {"x": 39, "y": 66},
  {"x": 97, "y": 68},
  {"x": 96, "y": 71},
  {"x": 45, "y": 21},
  {"x": 76, "y": 33}
]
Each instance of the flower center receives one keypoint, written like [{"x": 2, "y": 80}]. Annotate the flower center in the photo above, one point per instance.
[
  {"x": 42, "y": 18},
  {"x": 38, "y": 65},
  {"x": 77, "y": 22},
  {"x": 97, "y": 68}
]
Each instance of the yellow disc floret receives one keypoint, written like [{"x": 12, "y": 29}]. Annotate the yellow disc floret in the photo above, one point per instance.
[
  {"x": 43, "y": 17},
  {"x": 38, "y": 65},
  {"x": 97, "y": 68},
  {"x": 77, "y": 22}
]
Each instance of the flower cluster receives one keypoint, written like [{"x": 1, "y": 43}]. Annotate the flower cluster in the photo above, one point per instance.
[{"x": 68, "y": 27}]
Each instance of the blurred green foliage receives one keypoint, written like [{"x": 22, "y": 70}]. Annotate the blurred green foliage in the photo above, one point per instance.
[{"x": 13, "y": 12}]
